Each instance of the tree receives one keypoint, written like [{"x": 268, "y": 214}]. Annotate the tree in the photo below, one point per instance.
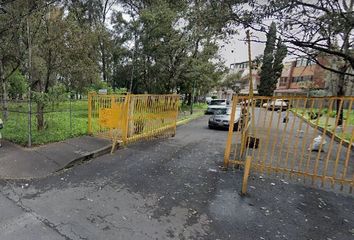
[
  {"x": 319, "y": 28},
  {"x": 17, "y": 85},
  {"x": 272, "y": 63},
  {"x": 11, "y": 46},
  {"x": 172, "y": 47},
  {"x": 233, "y": 81}
]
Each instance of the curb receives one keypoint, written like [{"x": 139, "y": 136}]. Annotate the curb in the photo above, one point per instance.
[
  {"x": 86, "y": 157},
  {"x": 77, "y": 161}
]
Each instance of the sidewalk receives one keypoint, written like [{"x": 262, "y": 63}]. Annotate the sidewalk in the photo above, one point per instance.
[{"x": 21, "y": 163}]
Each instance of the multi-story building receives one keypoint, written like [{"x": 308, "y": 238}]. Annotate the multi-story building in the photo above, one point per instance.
[
  {"x": 243, "y": 69},
  {"x": 300, "y": 76}
]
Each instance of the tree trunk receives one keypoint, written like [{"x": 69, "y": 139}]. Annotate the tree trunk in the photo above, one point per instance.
[
  {"x": 104, "y": 67},
  {"x": 40, "y": 116},
  {"x": 189, "y": 99},
  {"x": 4, "y": 97}
]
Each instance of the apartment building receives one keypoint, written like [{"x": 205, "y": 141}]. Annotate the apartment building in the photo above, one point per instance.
[
  {"x": 300, "y": 76},
  {"x": 243, "y": 68}
]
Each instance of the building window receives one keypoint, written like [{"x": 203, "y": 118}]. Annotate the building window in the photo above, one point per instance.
[{"x": 302, "y": 79}]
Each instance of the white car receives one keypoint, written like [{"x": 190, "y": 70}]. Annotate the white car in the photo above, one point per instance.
[
  {"x": 278, "y": 104},
  {"x": 216, "y": 105},
  {"x": 221, "y": 119}
]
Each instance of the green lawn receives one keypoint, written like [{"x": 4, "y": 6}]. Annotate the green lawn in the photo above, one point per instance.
[
  {"x": 327, "y": 120},
  {"x": 57, "y": 123}
]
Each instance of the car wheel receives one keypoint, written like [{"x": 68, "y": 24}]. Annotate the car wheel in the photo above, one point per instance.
[{"x": 210, "y": 127}]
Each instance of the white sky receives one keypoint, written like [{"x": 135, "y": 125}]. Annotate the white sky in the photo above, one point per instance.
[{"x": 240, "y": 49}]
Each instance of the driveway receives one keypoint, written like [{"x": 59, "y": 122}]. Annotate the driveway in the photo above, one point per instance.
[{"x": 169, "y": 189}]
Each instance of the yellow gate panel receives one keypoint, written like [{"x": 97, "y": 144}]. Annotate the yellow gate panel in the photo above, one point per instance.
[
  {"x": 127, "y": 118},
  {"x": 296, "y": 137}
]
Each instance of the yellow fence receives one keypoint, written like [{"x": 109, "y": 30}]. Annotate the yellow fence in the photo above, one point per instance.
[
  {"x": 295, "y": 137},
  {"x": 127, "y": 118}
]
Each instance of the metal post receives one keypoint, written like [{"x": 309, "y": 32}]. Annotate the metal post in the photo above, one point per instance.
[
  {"x": 229, "y": 136},
  {"x": 246, "y": 174},
  {"x": 29, "y": 118},
  {"x": 89, "y": 99},
  {"x": 70, "y": 115}
]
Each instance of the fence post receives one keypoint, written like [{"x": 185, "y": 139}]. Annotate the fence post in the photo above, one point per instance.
[
  {"x": 246, "y": 175},
  {"x": 29, "y": 119},
  {"x": 229, "y": 136},
  {"x": 70, "y": 109},
  {"x": 126, "y": 119},
  {"x": 89, "y": 99},
  {"x": 176, "y": 100}
]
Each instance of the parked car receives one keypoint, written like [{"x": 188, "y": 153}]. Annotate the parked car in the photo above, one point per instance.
[
  {"x": 218, "y": 102},
  {"x": 278, "y": 104},
  {"x": 212, "y": 109},
  {"x": 221, "y": 119},
  {"x": 208, "y": 99},
  {"x": 216, "y": 105}
]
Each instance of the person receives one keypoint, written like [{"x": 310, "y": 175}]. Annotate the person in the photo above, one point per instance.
[{"x": 1, "y": 127}]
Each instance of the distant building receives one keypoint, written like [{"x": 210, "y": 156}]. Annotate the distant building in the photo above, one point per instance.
[
  {"x": 243, "y": 68},
  {"x": 300, "y": 76}
]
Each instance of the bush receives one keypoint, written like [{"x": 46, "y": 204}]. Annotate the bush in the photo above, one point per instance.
[{"x": 17, "y": 85}]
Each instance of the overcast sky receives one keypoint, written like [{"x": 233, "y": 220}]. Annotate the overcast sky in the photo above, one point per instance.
[{"x": 235, "y": 50}]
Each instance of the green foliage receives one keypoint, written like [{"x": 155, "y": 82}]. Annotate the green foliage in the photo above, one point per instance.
[
  {"x": 272, "y": 66},
  {"x": 58, "y": 122},
  {"x": 17, "y": 85},
  {"x": 233, "y": 81}
]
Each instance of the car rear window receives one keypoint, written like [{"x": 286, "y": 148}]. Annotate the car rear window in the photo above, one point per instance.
[{"x": 217, "y": 102}]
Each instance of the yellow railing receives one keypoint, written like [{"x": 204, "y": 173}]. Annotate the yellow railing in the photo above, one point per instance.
[
  {"x": 296, "y": 137},
  {"x": 127, "y": 118}
]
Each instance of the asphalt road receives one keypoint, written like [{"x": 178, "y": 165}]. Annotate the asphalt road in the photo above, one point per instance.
[{"x": 169, "y": 189}]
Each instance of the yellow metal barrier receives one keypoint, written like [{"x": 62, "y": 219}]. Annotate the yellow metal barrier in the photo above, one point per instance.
[
  {"x": 127, "y": 118},
  {"x": 296, "y": 137}
]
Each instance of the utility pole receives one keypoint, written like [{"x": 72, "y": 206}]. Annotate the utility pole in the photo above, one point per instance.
[{"x": 250, "y": 79}]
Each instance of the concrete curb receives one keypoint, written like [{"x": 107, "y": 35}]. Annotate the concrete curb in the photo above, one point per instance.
[
  {"x": 328, "y": 133},
  {"x": 87, "y": 156},
  {"x": 77, "y": 161}
]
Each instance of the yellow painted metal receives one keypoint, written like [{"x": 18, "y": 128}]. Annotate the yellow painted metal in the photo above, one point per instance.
[
  {"x": 246, "y": 175},
  {"x": 287, "y": 139},
  {"x": 89, "y": 113},
  {"x": 127, "y": 118},
  {"x": 231, "y": 130}
]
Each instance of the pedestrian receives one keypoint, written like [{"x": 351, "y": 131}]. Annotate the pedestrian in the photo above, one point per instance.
[{"x": 1, "y": 127}]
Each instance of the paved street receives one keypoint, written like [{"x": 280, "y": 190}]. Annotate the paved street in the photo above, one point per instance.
[{"x": 169, "y": 189}]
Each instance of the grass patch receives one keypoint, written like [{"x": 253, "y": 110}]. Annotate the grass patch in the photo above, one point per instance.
[
  {"x": 57, "y": 124},
  {"x": 196, "y": 106},
  {"x": 327, "y": 119}
]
